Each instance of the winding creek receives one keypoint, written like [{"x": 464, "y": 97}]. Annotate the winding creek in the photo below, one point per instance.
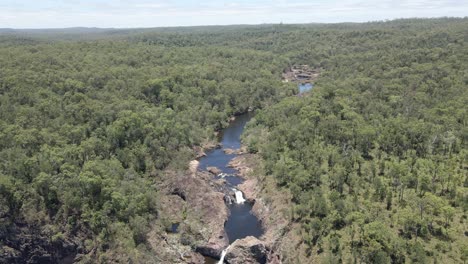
[{"x": 241, "y": 222}]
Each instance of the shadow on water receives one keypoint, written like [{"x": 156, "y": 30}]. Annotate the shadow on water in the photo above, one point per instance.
[
  {"x": 174, "y": 228},
  {"x": 242, "y": 223},
  {"x": 210, "y": 260}
]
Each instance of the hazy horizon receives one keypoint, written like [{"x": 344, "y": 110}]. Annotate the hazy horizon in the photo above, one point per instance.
[
  {"x": 222, "y": 25},
  {"x": 54, "y": 14}
]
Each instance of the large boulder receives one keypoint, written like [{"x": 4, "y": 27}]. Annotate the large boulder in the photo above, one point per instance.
[
  {"x": 193, "y": 166},
  {"x": 250, "y": 188},
  {"x": 199, "y": 152},
  {"x": 229, "y": 151},
  {"x": 205, "y": 213},
  {"x": 243, "y": 163},
  {"x": 249, "y": 250},
  {"x": 214, "y": 170}
]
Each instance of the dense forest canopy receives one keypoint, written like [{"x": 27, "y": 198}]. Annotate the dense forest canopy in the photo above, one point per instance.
[
  {"x": 86, "y": 127},
  {"x": 375, "y": 157}
]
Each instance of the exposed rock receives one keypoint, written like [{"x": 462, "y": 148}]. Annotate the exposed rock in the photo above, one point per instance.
[
  {"x": 230, "y": 196},
  {"x": 211, "y": 144},
  {"x": 220, "y": 182},
  {"x": 194, "y": 258},
  {"x": 193, "y": 200},
  {"x": 30, "y": 244},
  {"x": 169, "y": 249},
  {"x": 300, "y": 74},
  {"x": 214, "y": 170},
  {"x": 271, "y": 207},
  {"x": 199, "y": 152},
  {"x": 172, "y": 206},
  {"x": 229, "y": 151},
  {"x": 241, "y": 163},
  {"x": 242, "y": 150},
  {"x": 247, "y": 250},
  {"x": 205, "y": 176},
  {"x": 249, "y": 188},
  {"x": 193, "y": 166},
  {"x": 206, "y": 207},
  {"x": 274, "y": 258},
  {"x": 228, "y": 199}
]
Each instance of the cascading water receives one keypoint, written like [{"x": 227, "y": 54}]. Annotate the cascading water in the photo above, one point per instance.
[
  {"x": 223, "y": 255},
  {"x": 241, "y": 222},
  {"x": 239, "y": 197}
]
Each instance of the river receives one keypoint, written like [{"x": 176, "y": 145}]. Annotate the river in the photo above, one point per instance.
[{"x": 241, "y": 222}]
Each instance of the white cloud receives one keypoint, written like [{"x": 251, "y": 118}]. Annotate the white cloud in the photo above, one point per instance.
[{"x": 143, "y": 13}]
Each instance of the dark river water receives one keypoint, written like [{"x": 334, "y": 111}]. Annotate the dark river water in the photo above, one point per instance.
[
  {"x": 229, "y": 138},
  {"x": 241, "y": 221}
]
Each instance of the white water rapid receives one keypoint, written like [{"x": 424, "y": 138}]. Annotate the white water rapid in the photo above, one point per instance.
[
  {"x": 239, "y": 197},
  {"x": 223, "y": 254}
]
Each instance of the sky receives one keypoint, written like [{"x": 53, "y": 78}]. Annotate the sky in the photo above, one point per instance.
[{"x": 163, "y": 13}]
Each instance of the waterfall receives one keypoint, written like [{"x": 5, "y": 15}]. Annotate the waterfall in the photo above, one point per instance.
[
  {"x": 227, "y": 199},
  {"x": 223, "y": 254},
  {"x": 239, "y": 197}
]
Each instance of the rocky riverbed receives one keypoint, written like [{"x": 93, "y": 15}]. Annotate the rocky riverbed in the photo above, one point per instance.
[
  {"x": 203, "y": 210},
  {"x": 271, "y": 206}
]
